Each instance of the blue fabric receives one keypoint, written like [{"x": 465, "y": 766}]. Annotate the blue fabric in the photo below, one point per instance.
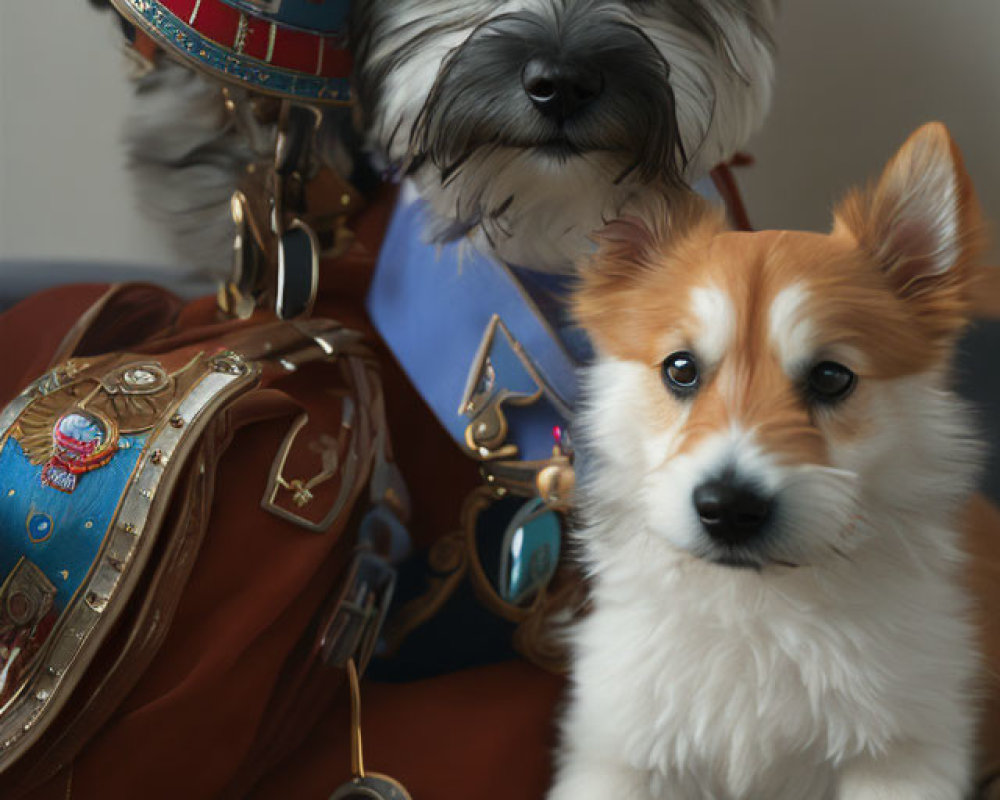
[
  {"x": 433, "y": 305},
  {"x": 60, "y": 533}
]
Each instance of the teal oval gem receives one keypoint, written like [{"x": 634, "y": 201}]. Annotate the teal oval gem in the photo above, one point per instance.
[{"x": 530, "y": 553}]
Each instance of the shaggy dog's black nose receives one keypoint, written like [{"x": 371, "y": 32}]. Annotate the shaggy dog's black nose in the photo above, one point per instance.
[
  {"x": 559, "y": 89},
  {"x": 731, "y": 514}
]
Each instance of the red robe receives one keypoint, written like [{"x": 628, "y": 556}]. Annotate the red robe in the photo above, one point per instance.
[{"x": 186, "y": 729}]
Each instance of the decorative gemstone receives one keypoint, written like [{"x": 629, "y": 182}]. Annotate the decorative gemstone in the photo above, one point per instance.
[
  {"x": 530, "y": 552},
  {"x": 139, "y": 376},
  {"x": 81, "y": 442},
  {"x": 39, "y": 527},
  {"x": 82, "y": 429}
]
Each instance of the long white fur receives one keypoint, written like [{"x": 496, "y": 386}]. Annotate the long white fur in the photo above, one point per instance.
[
  {"x": 558, "y": 204},
  {"x": 846, "y": 678}
]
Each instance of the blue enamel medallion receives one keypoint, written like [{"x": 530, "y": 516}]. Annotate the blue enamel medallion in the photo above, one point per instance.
[{"x": 61, "y": 533}]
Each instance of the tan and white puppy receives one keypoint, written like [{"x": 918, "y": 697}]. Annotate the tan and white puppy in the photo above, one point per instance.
[{"x": 773, "y": 470}]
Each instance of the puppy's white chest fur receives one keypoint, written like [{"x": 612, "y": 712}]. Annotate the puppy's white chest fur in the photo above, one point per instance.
[{"x": 699, "y": 681}]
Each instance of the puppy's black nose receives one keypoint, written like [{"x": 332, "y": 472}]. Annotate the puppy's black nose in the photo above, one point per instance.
[
  {"x": 730, "y": 514},
  {"x": 560, "y": 89}
]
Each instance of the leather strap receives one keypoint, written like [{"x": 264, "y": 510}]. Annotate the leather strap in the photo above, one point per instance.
[{"x": 126, "y": 314}]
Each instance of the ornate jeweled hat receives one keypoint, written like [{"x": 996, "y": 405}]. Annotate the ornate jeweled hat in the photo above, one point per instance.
[{"x": 289, "y": 48}]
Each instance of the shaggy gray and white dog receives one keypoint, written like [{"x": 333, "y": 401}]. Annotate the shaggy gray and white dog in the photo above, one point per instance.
[{"x": 526, "y": 123}]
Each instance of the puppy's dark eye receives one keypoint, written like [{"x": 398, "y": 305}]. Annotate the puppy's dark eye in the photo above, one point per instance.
[
  {"x": 680, "y": 373},
  {"x": 829, "y": 382}
]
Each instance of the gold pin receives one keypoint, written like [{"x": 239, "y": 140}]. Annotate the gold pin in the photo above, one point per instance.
[{"x": 364, "y": 784}]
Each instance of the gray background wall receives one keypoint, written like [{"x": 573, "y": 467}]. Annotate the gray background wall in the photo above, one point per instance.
[
  {"x": 64, "y": 192},
  {"x": 855, "y": 76}
]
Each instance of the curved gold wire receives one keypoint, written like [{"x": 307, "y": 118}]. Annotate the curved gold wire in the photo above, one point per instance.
[{"x": 357, "y": 757}]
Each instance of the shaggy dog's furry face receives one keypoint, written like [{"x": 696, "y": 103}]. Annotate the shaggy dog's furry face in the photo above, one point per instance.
[
  {"x": 528, "y": 122},
  {"x": 800, "y": 630}
]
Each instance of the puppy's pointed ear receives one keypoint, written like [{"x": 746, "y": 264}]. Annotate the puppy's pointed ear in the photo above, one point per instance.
[
  {"x": 630, "y": 251},
  {"x": 922, "y": 226},
  {"x": 627, "y": 245},
  {"x": 630, "y": 235}
]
